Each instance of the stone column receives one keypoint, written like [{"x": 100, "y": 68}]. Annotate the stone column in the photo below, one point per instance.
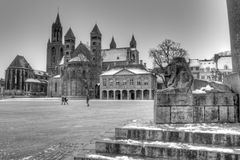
[
  {"x": 107, "y": 94},
  {"x": 15, "y": 81},
  {"x": 114, "y": 94},
  {"x": 135, "y": 94},
  {"x": 24, "y": 86},
  {"x": 150, "y": 94},
  {"x": 142, "y": 94},
  {"x": 120, "y": 94}
]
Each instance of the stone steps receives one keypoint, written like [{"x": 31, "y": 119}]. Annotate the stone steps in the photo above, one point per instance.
[
  {"x": 110, "y": 157},
  {"x": 170, "y": 142},
  {"x": 190, "y": 137},
  {"x": 166, "y": 150}
]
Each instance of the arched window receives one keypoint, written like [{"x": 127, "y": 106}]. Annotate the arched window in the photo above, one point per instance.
[
  {"x": 84, "y": 74},
  {"x": 225, "y": 67},
  {"x": 61, "y": 53}
]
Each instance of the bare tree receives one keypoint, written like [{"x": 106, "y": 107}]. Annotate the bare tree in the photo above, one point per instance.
[{"x": 163, "y": 55}]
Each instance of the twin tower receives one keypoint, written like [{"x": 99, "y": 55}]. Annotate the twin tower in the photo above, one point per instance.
[{"x": 57, "y": 50}]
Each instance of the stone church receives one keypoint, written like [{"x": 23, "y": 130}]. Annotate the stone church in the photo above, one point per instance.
[{"x": 75, "y": 71}]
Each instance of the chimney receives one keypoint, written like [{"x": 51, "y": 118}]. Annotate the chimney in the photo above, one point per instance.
[
  {"x": 145, "y": 65},
  {"x": 141, "y": 61}
]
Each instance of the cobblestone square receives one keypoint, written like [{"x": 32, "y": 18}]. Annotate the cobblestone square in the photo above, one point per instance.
[{"x": 45, "y": 129}]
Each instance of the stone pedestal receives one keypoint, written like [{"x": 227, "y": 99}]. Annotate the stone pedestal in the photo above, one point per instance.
[{"x": 212, "y": 107}]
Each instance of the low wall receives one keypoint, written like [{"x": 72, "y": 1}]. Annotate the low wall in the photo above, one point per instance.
[{"x": 195, "y": 108}]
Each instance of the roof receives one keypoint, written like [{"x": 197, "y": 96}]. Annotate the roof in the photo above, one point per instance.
[
  {"x": 116, "y": 54},
  {"x": 62, "y": 61},
  {"x": 82, "y": 49},
  {"x": 96, "y": 30},
  {"x": 125, "y": 71},
  {"x": 113, "y": 43},
  {"x": 79, "y": 58},
  {"x": 31, "y": 80},
  {"x": 58, "y": 20},
  {"x": 41, "y": 73},
  {"x": 57, "y": 76},
  {"x": 20, "y": 62},
  {"x": 194, "y": 63},
  {"x": 69, "y": 34}
]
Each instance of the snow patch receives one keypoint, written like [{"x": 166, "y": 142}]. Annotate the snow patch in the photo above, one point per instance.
[
  {"x": 203, "y": 90},
  {"x": 110, "y": 158}
]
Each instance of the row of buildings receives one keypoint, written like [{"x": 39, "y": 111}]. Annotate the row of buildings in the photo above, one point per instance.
[
  {"x": 76, "y": 70},
  {"x": 214, "y": 69}
]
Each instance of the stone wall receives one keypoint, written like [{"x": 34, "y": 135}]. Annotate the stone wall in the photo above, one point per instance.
[{"x": 213, "y": 107}]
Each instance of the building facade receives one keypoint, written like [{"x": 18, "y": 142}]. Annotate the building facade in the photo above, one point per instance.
[
  {"x": 127, "y": 83},
  {"x": 21, "y": 79},
  {"x": 195, "y": 68},
  {"x": 76, "y": 71}
]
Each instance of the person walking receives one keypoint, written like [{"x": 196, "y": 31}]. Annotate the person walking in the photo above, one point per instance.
[
  {"x": 66, "y": 100},
  {"x": 87, "y": 98},
  {"x": 63, "y": 100}
]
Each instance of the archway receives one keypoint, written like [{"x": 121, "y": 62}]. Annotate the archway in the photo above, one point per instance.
[
  {"x": 139, "y": 94},
  {"x": 146, "y": 94},
  {"x": 131, "y": 95},
  {"x": 117, "y": 95},
  {"x": 104, "y": 94},
  {"x": 124, "y": 94},
  {"x": 110, "y": 96}
]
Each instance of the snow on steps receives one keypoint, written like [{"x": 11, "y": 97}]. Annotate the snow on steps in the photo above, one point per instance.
[
  {"x": 190, "y": 137},
  {"x": 171, "y": 150},
  {"x": 109, "y": 157}
]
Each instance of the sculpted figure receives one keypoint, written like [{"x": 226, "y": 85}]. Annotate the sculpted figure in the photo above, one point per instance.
[{"x": 179, "y": 76}]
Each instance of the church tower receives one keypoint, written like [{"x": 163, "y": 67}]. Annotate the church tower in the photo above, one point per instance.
[
  {"x": 234, "y": 23},
  {"x": 96, "y": 44},
  {"x": 69, "y": 45},
  {"x": 55, "y": 48},
  {"x": 134, "y": 54}
]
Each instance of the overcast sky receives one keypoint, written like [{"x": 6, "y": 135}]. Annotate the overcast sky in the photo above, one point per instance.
[{"x": 201, "y": 26}]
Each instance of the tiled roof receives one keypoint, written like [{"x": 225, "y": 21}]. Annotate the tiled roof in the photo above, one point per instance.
[
  {"x": 20, "y": 62},
  {"x": 82, "y": 49},
  {"x": 79, "y": 58},
  {"x": 69, "y": 33},
  {"x": 96, "y": 30}
]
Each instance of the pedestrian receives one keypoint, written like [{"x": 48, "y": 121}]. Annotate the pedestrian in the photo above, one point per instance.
[
  {"x": 87, "y": 99},
  {"x": 66, "y": 100},
  {"x": 63, "y": 100}
]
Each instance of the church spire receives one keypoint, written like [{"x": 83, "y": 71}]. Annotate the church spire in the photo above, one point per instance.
[
  {"x": 58, "y": 20},
  {"x": 96, "y": 30},
  {"x": 133, "y": 43},
  {"x": 113, "y": 44}
]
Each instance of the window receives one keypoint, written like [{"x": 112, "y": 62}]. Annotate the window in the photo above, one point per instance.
[
  {"x": 208, "y": 69},
  {"x": 110, "y": 82},
  {"x": 146, "y": 83},
  {"x": 131, "y": 82},
  {"x": 94, "y": 43},
  {"x": 197, "y": 68},
  {"x": 56, "y": 87},
  {"x": 104, "y": 82},
  {"x": 124, "y": 82},
  {"x": 138, "y": 82},
  {"x": 117, "y": 83},
  {"x": 202, "y": 77},
  {"x": 117, "y": 57},
  {"x": 67, "y": 46}
]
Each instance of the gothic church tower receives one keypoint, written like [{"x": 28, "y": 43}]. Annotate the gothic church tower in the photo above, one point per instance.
[
  {"x": 69, "y": 45},
  {"x": 96, "y": 44},
  {"x": 55, "y": 48}
]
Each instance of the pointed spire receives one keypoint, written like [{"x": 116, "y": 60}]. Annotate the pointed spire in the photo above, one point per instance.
[
  {"x": 113, "y": 44},
  {"x": 133, "y": 43},
  {"x": 58, "y": 20},
  {"x": 69, "y": 34},
  {"x": 96, "y": 30}
]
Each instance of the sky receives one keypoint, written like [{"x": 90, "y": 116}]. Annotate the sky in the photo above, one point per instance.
[{"x": 200, "y": 26}]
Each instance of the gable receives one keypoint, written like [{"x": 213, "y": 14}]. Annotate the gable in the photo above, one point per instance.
[{"x": 124, "y": 72}]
